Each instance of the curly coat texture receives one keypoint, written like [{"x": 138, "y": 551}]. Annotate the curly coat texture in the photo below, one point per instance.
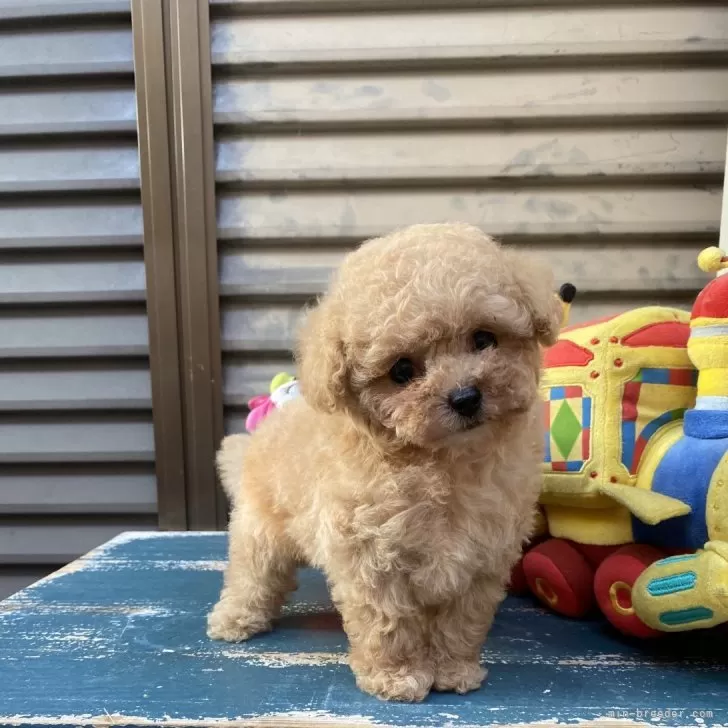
[{"x": 415, "y": 513}]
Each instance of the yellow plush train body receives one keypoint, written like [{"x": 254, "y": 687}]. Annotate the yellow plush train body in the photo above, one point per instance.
[{"x": 636, "y": 467}]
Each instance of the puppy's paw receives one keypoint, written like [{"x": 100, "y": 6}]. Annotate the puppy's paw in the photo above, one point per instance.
[
  {"x": 232, "y": 623},
  {"x": 403, "y": 686},
  {"x": 459, "y": 677}
]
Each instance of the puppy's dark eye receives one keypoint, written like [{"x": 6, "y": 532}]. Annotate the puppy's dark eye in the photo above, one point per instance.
[
  {"x": 484, "y": 340},
  {"x": 402, "y": 372}
]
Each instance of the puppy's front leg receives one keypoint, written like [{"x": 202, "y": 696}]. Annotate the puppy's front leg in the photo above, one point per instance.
[
  {"x": 389, "y": 652},
  {"x": 459, "y": 631}
]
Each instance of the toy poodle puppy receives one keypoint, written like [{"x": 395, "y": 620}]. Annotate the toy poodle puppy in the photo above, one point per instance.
[{"x": 412, "y": 461}]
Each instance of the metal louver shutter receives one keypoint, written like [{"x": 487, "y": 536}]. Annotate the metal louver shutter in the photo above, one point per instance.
[
  {"x": 591, "y": 132},
  {"x": 76, "y": 438}
]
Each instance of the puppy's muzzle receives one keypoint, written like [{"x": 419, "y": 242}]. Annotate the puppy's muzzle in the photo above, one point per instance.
[{"x": 466, "y": 401}]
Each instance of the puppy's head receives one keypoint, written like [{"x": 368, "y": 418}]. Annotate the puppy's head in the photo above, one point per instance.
[{"x": 430, "y": 337}]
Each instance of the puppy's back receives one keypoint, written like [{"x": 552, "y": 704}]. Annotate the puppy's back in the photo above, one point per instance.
[{"x": 230, "y": 463}]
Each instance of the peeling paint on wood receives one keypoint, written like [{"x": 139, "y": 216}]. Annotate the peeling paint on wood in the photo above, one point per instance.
[
  {"x": 118, "y": 638},
  {"x": 288, "y": 659}
]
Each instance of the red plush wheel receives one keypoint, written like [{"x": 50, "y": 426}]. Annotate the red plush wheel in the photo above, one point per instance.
[
  {"x": 613, "y": 587},
  {"x": 560, "y": 577},
  {"x": 594, "y": 555}
]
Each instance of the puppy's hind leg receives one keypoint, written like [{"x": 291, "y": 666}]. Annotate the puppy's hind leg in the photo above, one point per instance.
[{"x": 259, "y": 575}]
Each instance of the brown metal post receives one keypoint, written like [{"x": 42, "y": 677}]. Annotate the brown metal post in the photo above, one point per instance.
[
  {"x": 159, "y": 257},
  {"x": 190, "y": 84}
]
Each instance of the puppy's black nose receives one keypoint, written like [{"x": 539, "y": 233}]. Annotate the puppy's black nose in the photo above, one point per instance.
[{"x": 466, "y": 401}]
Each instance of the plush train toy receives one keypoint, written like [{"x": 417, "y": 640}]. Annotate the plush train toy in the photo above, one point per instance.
[{"x": 635, "y": 495}]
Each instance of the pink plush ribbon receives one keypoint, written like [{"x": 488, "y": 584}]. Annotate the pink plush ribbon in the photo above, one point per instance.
[{"x": 259, "y": 407}]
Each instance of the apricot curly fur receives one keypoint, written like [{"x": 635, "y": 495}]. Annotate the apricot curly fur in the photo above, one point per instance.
[{"x": 415, "y": 513}]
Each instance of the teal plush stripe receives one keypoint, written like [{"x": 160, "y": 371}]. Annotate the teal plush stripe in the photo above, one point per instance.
[
  {"x": 672, "y": 584},
  {"x": 677, "y": 559},
  {"x": 686, "y": 616}
]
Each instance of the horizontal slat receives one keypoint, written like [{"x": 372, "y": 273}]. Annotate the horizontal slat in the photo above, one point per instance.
[
  {"x": 110, "y": 489},
  {"x": 76, "y": 438},
  {"x": 470, "y": 96},
  {"x": 82, "y": 167},
  {"x": 254, "y": 327},
  {"x": 43, "y": 333},
  {"x": 234, "y": 421},
  {"x": 480, "y": 35},
  {"x": 277, "y": 272},
  {"x": 641, "y": 268},
  {"x": 673, "y": 210},
  {"x": 62, "y": 223},
  {"x": 68, "y": 386},
  {"x": 59, "y": 9},
  {"x": 59, "y": 110},
  {"x": 249, "y": 7},
  {"x": 67, "y": 51},
  {"x": 58, "y": 541},
  {"x": 56, "y": 279},
  {"x": 434, "y": 156},
  {"x": 13, "y": 579},
  {"x": 594, "y": 268}
]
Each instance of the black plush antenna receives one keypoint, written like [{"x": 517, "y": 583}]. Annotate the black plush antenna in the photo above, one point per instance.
[{"x": 567, "y": 293}]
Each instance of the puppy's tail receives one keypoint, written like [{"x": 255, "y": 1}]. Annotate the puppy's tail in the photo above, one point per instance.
[{"x": 230, "y": 463}]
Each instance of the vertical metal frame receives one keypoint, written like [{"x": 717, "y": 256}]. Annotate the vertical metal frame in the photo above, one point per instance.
[
  {"x": 159, "y": 259},
  {"x": 723, "y": 243},
  {"x": 196, "y": 235},
  {"x": 174, "y": 99}
]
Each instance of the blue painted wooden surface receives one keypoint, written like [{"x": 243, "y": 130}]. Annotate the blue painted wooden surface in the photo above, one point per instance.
[{"x": 118, "y": 638}]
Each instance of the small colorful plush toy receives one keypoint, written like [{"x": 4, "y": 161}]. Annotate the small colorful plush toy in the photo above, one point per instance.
[
  {"x": 636, "y": 468},
  {"x": 283, "y": 388}
]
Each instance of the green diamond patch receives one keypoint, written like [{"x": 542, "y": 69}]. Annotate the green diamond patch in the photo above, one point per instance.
[{"x": 565, "y": 429}]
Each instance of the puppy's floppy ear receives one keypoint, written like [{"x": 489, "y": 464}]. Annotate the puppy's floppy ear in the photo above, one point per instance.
[
  {"x": 535, "y": 282},
  {"x": 322, "y": 368}
]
